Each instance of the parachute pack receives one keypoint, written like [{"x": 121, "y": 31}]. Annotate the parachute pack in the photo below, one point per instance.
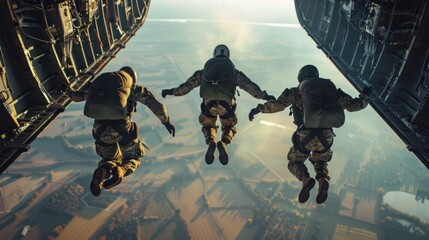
[
  {"x": 217, "y": 82},
  {"x": 108, "y": 95},
  {"x": 321, "y": 104}
]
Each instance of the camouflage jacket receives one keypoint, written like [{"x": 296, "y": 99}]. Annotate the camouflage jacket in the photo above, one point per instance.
[
  {"x": 142, "y": 95},
  {"x": 292, "y": 96},
  {"x": 241, "y": 80}
]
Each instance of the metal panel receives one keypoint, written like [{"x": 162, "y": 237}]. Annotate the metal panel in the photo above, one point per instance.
[
  {"x": 384, "y": 44},
  {"x": 48, "y": 46}
]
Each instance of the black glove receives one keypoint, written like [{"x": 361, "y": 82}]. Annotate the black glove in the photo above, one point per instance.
[
  {"x": 166, "y": 92},
  {"x": 269, "y": 98},
  {"x": 170, "y": 128},
  {"x": 366, "y": 92},
  {"x": 253, "y": 112}
]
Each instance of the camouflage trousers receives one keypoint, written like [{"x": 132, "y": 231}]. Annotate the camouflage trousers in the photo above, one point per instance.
[
  {"x": 316, "y": 150},
  {"x": 118, "y": 145},
  {"x": 210, "y": 110}
]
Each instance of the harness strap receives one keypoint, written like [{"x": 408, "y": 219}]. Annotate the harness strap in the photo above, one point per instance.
[
  {"x": 96, "y": 134},
  {"x": 229, "y": 110},
  {"x": 298, "y": 144},
  {"x": 324, "y": 142},
  {"x": 127, "y": 136},
  {"x": 309, "y": 137},
  {"x": 119, "y": 127},
  {"x": 318, "y": 132},
  {"x": 205, "y": 108}
]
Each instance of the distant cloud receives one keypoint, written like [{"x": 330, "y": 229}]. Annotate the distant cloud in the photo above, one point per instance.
[
  {"x": 271, "y": 124},
  {"x": 184, "y": 20}
]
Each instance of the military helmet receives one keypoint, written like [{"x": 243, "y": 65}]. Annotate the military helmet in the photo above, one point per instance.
[
  {"x": 221, "y": 50},
  {"x": 130, "y": 71},
  {"x": 308, "y": 71}
]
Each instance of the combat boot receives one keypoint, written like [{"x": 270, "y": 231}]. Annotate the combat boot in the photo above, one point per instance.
[
  {"x": 98, "y": 177},
  {"x": 210, "y": 153},
  {"x": 223, "y": 154},
  {"x": 322, "y": 193},
  {"x": 118, "y": 173},
  {"x": 307, "y": 184}
]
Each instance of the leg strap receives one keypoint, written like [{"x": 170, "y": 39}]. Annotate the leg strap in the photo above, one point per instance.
[
  {"x": 317, "y": 132},
  {"x": 298, "y": 145},
  {"x": 119, "y": 127},
  {"x": 324, "y": 142},
  {"x": 205, "y": 109}
]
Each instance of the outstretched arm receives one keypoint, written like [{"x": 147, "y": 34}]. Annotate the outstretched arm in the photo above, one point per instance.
[
  {"x": 287, "y": 98},
  {"x": 353, "y": 104},
  {"x": 184, "y": 88},
  {"x": 252, "y": 88},
  {"x": 144, "y": 96}
]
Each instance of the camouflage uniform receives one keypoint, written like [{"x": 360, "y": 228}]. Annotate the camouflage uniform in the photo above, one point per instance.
[
  {"x": 318, "y": 148},
  {"x": 224, "y": 109},
  {"x": 117, "y": 141}
]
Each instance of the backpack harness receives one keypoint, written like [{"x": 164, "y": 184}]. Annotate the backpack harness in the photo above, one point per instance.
[
  {"x": 205, "y": 109},
  {"x": 314, "y": 132},
  {"x": 217, "y": 80},
  {"x": 321, "y": 103},
  {"x": 107, "y": 97}
]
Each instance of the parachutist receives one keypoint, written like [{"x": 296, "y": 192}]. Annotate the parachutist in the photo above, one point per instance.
[
  {"x": 218, "y": 82},
  {"x": 110, "y": 100},
  {"x": 317, "y": 107}
]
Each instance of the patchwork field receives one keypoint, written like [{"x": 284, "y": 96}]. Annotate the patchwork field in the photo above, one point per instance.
[
  {"x": 88, "y": 221},
  {"x": 233, "y": 223},
  {"x": 20, "y": 188},
  {"x": 227, "y": 194},
  {"x": 351, "y": 233},
  {"x": 199, "y": 221}
]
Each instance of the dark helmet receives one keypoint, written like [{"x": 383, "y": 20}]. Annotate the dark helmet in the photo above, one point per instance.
[
  {"x": 308, "y": 71},
  {"x": 130, "y": 71},
  {"x": 221, "y": 50}
]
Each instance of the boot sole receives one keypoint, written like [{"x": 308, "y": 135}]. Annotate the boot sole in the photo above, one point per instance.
[
  {"x": 223, "y": 155},
  {"x": 323, "y": 192},
  {"x": 96, "y": 183},
  {"x": 114, "y": 180},
  {"x": 304, "y": 195},
  {"x": 111, "y": 183},
  {"x": 210, "y": 153}
]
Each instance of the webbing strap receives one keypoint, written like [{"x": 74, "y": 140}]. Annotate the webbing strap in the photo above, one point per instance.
[
  {"x": 318, "y": 132},
  {"x": 313, "y": 133},
  {"x": 205, "y": 109},
  {"x": 119, "y": 127},
  {"x": 298, "y": 144},
  {"x": 324, "y": 142},
  {"x": 127, "y": 136}
]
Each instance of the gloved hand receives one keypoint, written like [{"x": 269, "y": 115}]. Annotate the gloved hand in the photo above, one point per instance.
[
  {"x": 269, "y": 98},
  {"x": 366, "y": 92},
  {"x": 166, "y": 92},
  {"x": 170, "y": 128},
  {"x": 253, "y": 112}
]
